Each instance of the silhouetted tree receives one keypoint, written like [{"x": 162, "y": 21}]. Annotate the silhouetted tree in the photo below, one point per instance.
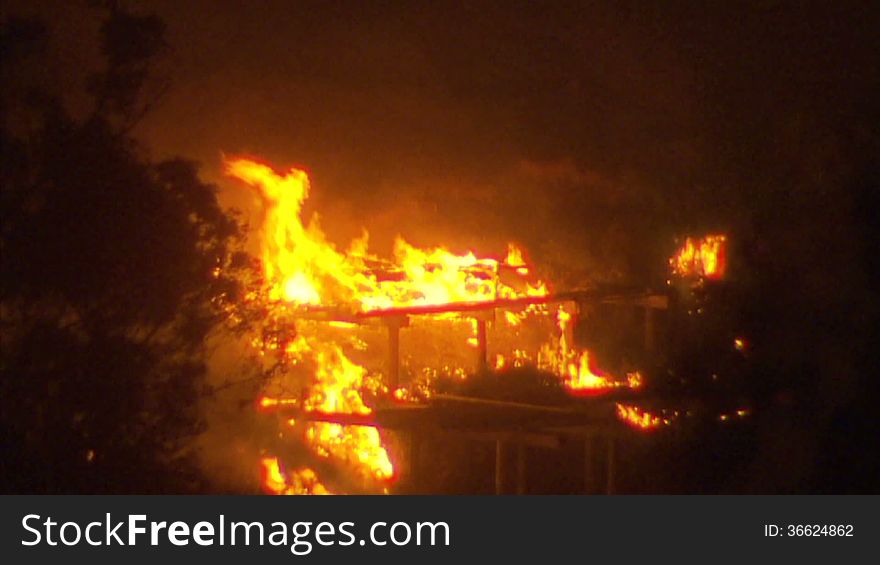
[{"x": 114, "y": 271}]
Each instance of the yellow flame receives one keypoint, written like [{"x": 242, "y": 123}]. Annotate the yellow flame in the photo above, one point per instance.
[
  {"x": 638, "y": 418},
  {"x": 301, "y": 481},
  {"x": 704, "y": 257},
  {"x": 304, "y": 270},
  {"x": 574, "y": 366}
]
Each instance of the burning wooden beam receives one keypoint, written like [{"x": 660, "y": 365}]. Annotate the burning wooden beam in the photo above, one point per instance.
[
  {"x": 467, "y": 413},
  {"x": 394, "y": 324},
  {"x": 616, "y": 296}
]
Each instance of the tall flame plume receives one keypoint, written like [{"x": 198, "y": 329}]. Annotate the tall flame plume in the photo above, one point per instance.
[{"x": 304, "y": 272}]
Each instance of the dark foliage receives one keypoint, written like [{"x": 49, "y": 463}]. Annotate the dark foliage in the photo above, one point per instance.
[{"x": 114, "y": 271}]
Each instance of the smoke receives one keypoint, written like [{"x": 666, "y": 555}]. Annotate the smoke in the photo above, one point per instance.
[
  {"x": 611, "y": 126},
  {"x": 230, "y": 447}
]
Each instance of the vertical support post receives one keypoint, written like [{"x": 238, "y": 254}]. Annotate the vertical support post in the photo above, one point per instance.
[
  {"x": 415, "y": 445},
  {"x": 499, "y": 466},
  {"x": 649, "y": 329},
  {"x": 588, "y": 464},
  {"x": 520, "y": 467},
  {"x": 393, "y": 355},
  {"x": 569, "y": 328},
  {"x": 482, "y": 346},
  {"x": 394, "y": 324},
  {"x": 609, "y": 485}
]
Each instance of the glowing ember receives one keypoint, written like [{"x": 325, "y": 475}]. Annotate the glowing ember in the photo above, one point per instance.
[
  {"x": 642, "y": 419},
  {"x": 269, "y": 402},
  {"x": 703, "y": 258},
  {"x": 737, "y": 414}
]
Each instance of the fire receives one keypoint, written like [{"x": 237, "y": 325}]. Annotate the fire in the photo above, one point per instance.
[
  {"x": 579, "y": 374},
  {"x": 270, "y": 402},
  {"x": 704, "y": 258},
  {"x": 305, "y": 269},
  {"x": 304, "y": 272},
  {"x": 337, "y": 390},
  {"x": 359, "y": 446},
  {"x": 306, "y": 275},
  {"x": 642, "y": 419},
  {"x": 303, "y": 481}
]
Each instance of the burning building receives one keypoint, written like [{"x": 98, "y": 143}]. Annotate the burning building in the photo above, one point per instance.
[{"x": 372, "y": 355}]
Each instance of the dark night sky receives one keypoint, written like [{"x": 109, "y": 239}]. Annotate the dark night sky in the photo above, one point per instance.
[{"x": 531, "y": 121}]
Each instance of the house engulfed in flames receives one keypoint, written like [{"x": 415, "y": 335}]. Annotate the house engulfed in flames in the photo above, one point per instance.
[{"x": 345, "y": 306}]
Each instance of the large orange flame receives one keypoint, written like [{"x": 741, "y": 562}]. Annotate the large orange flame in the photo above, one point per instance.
[
  {"x": 302, "y": 481},
  {"x": 304, "y": 268},
  {"x": 304, "y": 272}
]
